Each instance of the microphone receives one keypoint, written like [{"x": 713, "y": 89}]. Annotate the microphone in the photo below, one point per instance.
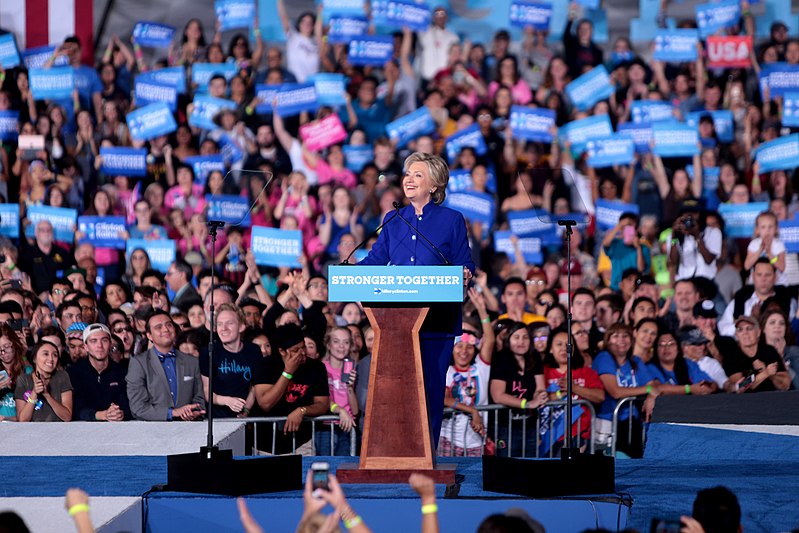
[
  {"x": 360, "y": 244},
  {"x": 420, "y": 234}
]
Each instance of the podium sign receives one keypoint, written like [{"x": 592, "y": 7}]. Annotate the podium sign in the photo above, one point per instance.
[{"x": 353, "y": 283}]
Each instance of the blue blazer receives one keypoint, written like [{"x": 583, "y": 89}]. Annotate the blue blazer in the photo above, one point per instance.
[{"x": 398, "y": 244}]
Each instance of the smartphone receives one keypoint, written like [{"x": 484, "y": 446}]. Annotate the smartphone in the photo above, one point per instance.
[
  {"x": 628, "y": 234},
  {"x": 16, "y": 284},
  {"x": 30, "y": 145},
  {"x": 18, "y": 324},
  {"x": 346, "y": 369},
  {"x": 665, "y": 525},
  {"x": 745, "y": 382},
  {"x": 3, "y": 375},
  {"x": 319, "y": 472}
]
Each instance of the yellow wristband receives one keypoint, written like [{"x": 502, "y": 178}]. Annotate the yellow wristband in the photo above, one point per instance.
[
  {"x": 287, "y": 375},
  {"x": 430, "y": 508},
  {"x": 78, "y": 508},
  {"x": 558, "y": 395},
  {"x": 524, "y": 403},
  {"x": 333, "y": 406},
  {"x": 349, "y": 524},
  {"x": 773, "y": 260}
]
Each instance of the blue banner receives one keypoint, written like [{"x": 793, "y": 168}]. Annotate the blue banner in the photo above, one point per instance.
[
  {"x": 343, "y": 7},
  {"x": 204, "y": 165},
  {"x": 674, "y": 139},
  {"x": 294, "y": 98},
  {"x": 9, "y": 220},
  {"x": 789, "y": 235},
  {"x": 265, "y": 95},
  {"x": 172, "y": 76},
  {"x": 579, "y": 132},
  {"x": 790, "y": 110},
  {"x": 330, "y": 88},
  {"x": 401, "y": 13},
  {"x": 739, "y": 219},
  {"x": 124, "y": 161},
  {"x": 474, "y": 206},
  {"x": 150, "y": 121},
  {"x": 588, "y": 4},
  {"x": 230, "y": 150},
  {"x": 367, "y": 283},
  {"x": 607, "y": 213},
  {"x": 276, "y": 247},
  {"x": 716, "y": 16},
  {"x": 617, "y": 149},
  {"x": 590, "y": 88},
  {"x": 149, "y": 92},
  {"x": 37, "y": 57},
  {"x": 722, "y": 121},
  {"x": 532, "y": 124},
  {"x": 201, "y": 73},
  {"x": 779, "y": 154},
  {"x": 345, "y": 28},
  {"x": 153, "y": 34},
  {"x": 641, "y": 135},
  {"x": 62, "y": 219},
  {"x": 710, "y": 178},
  {"x": 780, "y": 78},
  {"x": 229, "y": 209},
  {"x": 676, "y": 46},
  {"x": 459, "y": 180},
  {"x": 651, "y": 111},
  {"x": 530, "y": 14},
  {"x": 374, "y": 51},
  {"x": 470, "y": 136},
  {"x": 356, "y": 157},
  {"x": 534, "y": 222},
  {"x": 9, "y": 55},
  {"x": 103, "y": 232},
  {"x": 205, "y": 109},
  {"x": 9, "y": 125},
  {"x": 52, "y": 83},
  {"x": 160, "y": 251},
  {"x": 530, "y": 247},
  {"x": 234, "y": 14},
  {"x": 410, "y": 126}
]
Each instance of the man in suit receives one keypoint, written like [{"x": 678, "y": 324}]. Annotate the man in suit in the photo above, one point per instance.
[
  {"x": 163, "y": 383},
  {"x": 178, "y": 277}
]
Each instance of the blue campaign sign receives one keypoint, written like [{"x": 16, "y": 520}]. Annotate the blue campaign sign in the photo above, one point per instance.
[
  {"x": 722, "y": 120},
  {"x": 356, "y": 157},
  {"x": 201, "y": 73},
  {"x": 676, "y": 46},
  {"x": 590, "y": 88},
  {"x": 153, "y": 34},
  {"x": 779, "y": 154},
  {"x": 410, "y": 126},
  {"x": 532, "y": 222},
  {"x": 470, "y": 136},
  {"x": 52, "y": 83},
  {"x": 651, "y": 111},
  {"x": 230, "y": 150},
  {"x": 148, "y": 92},
  {"x": 131, "y": 162},
  {"x": 589, "y": 4},
  {"x": 205, "y": 109},
  {"x": 9, "y": 220},
  {"x": 617, "y": 149},
  {"x": 265, "y": 95},
  {"x": 234, "y": 14},
  {"x": 9, "y": 55},
  {"x": 344, "y": 28},
  {"x": 739, "y": 219},
  {"x": 204, "y": 165},
  {"x": 229, "y": 209},
  {"x": 294, "y": 98},
  {"x": 459, "y": 180},
  {"x": 37, "y": 57},
  {"x": 103, "y": 232},
  {"x": 710, "y": 178},
  {"x": 674, "y": 139},
  {"x": 790, "y": 110},
  {"x": 401, "y": 13},
  {"x": 9, "y": 125},
  {"x": 150, "y": 121},
  {"x": 716, "y": 16},
  {"x": 789, "y": 235},
  {"x": 781, "y": 78},
  {"x": 474, "y": 206},
  {"x": 534, "y": 15},
  {"x": 62, "y": 219},
  {"x": 532, "y": 124},
  {"x": 368, "y": 283},
  {"x": 374, "y": 51},
  {"x": 276, "y": 247},
  {"x": 530, "y": 247},
  {"x": 579, "y": 132},
  {"x": 160, "y": 251},
  {"x": 172, "y": 76},
  {"x": 330, "y": 88},
  {"x": 641, "y": 135},
  {"x": 607, "y": 213},
  {"x": 343, "y": 7}
]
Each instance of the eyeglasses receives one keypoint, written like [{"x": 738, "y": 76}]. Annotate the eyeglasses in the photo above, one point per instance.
[
  {"x": 667, "y": 344},
  {"x": 540, "y": 338},
  {"x": 119, "y": 331},
  {"x": 6, "y": 349},
  {"x": 545, "y": 303},
  {"x": 59, "y": 291},
  {"x": 535, "y": 282},
  {"x": 745, "y": 329}
]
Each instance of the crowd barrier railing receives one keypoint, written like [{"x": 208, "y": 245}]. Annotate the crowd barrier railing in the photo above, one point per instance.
[
  {"x": 331, "y": 429},
  {"x": 630, "y": 404}
]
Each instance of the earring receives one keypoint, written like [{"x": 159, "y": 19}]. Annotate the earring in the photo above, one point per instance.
[{"x": 432, "y": 191}]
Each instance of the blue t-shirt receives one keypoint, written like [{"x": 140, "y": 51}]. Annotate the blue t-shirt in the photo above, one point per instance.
[
  {"x": 623, "y": 257},
  {"x": 626, "y": 376},
  {"x": 667, "y": 377},
  {"x": 87, "y": 82},
  {"x": 8, "y": 407}
]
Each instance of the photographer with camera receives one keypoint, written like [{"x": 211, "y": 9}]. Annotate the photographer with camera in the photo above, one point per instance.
[{"x": 694, "y": 247}]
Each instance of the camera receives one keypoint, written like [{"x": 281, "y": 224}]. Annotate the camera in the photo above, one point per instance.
[{"x": 689, "y": 222}]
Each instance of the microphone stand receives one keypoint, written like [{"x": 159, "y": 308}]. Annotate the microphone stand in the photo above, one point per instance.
[
  {"x": 210, "y": 450},
  {"x": 568, "y": 452}
]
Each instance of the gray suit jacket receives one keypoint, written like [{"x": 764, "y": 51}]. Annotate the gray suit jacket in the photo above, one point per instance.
[{"x": 148, "y": 388}]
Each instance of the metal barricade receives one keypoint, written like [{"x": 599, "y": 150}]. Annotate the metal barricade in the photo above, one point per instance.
[
  {"x": 630, "y": 403},
  {"x": 496, "y": 409},
  {"x": 275, "y": 420}
]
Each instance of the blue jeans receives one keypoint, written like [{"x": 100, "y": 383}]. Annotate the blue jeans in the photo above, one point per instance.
[
  {"x": 512, "y": 447},
  {"x": 341, "y": 441}
]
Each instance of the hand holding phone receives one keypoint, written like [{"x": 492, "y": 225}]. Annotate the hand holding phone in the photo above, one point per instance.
[{"x": 319, "y": 480}]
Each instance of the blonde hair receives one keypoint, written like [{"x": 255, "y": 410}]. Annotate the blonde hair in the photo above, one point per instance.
[
  {"x": 438, "y": 170},
  {"x": 233, "y": 308}
]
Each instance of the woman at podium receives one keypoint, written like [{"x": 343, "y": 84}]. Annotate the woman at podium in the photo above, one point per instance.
[{"x": 426, "y": 233}]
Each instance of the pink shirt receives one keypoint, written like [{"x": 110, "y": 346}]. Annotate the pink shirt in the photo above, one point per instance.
[
  {"x": 174, "y": 198},
  {"x": 520, "y": 93},
  {"x": 338, "y": 390},
  {"x": 326, "y": 174}
]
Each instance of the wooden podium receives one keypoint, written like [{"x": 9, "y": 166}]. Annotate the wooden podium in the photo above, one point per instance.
[{"x": 396, "y": 434}]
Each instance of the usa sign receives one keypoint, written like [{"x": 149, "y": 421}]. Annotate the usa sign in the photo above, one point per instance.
[{"x": 732, "y": 51}]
